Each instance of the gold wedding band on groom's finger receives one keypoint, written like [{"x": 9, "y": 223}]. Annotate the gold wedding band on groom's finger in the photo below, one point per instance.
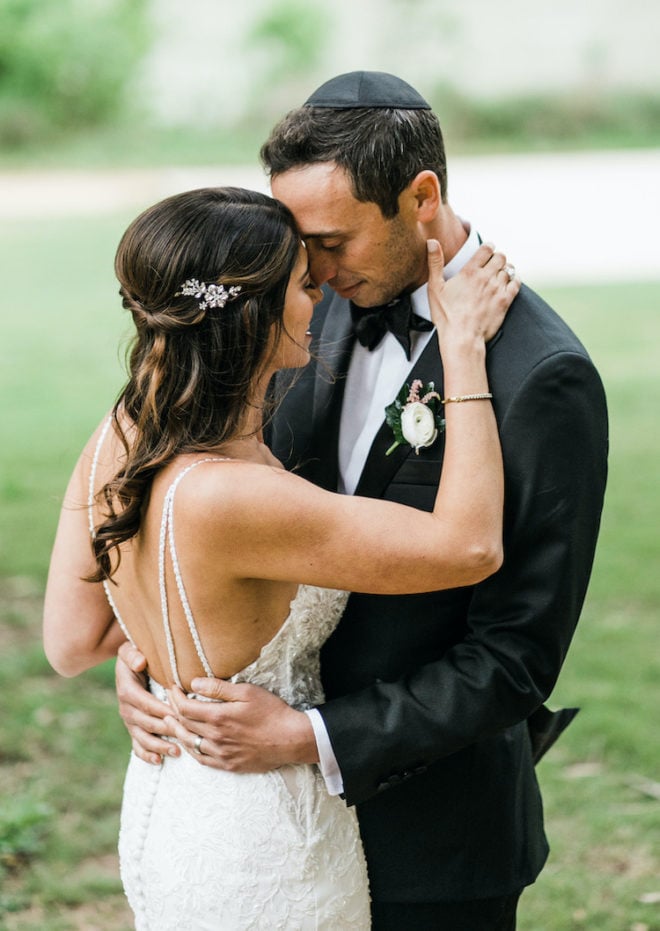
[{"x": 198, "y": 745}]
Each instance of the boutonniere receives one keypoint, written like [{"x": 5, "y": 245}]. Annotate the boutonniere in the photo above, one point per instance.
[{"x": 415, "y": 416}]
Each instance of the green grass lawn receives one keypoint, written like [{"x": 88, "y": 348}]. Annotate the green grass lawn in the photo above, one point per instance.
[{"x": 62, "y": 748}]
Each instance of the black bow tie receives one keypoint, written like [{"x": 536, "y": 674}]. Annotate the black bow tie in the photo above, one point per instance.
[{"x": 371, "y": 323}]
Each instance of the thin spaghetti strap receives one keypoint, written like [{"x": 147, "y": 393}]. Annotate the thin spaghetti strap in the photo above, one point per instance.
[
  {"x": 167, "y": 539},
  {"x": 92, "y": 531},
  {"x": 164, "y": 609},
  {"x": 92, "y": 476}
]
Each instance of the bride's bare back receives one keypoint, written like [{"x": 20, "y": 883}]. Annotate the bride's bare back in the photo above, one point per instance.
[{"x": 235, "y": 616}]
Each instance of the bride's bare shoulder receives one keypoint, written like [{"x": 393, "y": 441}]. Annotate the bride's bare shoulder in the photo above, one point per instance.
[{"x": 211, "y": 483}]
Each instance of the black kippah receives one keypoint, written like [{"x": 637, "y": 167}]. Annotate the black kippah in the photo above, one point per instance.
[{"x": 372, "y": 89}]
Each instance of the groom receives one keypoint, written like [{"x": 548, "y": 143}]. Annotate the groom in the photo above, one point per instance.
[{"x": 434, "y": 714}]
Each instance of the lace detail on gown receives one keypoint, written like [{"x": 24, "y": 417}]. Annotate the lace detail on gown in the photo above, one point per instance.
[{"x": 205, "y": 850}]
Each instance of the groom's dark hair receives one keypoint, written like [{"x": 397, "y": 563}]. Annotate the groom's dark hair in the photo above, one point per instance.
[{"x": 380, "y": 149}]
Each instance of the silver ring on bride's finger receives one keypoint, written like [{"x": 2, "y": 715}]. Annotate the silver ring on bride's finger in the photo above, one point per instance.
[
  {"x": 198, "y": 745},
  {"x": 510, "y": 271}
]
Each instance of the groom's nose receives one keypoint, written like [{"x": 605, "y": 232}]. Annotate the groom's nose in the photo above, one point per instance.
[{"x": 322, "y": 266}]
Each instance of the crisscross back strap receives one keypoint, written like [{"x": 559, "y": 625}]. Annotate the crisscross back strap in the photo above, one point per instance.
[{"x": 167, "y": 541}]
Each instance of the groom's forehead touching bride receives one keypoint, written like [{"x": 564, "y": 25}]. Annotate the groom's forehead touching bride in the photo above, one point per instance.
[
  {"x": 363, "y": 256},
  {"x": 361, "y": 166}
]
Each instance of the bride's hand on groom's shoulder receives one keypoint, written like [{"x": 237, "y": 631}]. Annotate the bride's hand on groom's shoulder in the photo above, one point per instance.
[
  {"x": 244, "y": 729},
  {"x": 143, "y": 715},
  {"x": 474, "y": 302}
]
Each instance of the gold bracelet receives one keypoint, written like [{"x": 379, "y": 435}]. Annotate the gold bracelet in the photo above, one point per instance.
[{"x": 486, "y": 396}]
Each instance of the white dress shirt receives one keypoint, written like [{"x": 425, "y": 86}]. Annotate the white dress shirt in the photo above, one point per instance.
[{"x": 374, "y": 379}]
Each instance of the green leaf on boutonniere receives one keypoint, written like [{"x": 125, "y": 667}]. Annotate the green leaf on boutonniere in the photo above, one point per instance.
[{"x": 393, "y": 418}]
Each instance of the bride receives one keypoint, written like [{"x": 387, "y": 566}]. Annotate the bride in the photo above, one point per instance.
[{"x": 181, "y": 533}]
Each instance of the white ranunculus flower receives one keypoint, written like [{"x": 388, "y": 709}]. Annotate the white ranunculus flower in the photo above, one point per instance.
[{"x": 418, "y": 425}]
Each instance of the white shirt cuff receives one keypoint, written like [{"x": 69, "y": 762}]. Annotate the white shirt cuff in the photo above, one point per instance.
[{"x": 327, "y": 759}]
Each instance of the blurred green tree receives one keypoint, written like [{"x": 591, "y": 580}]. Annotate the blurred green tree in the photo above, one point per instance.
[
  {"x": 65, "y": 65},
  {"x": 287, "y": 41},
  {"x": 290, "y": 30}
]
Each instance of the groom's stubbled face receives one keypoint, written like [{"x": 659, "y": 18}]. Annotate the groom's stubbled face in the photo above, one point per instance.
[{"x": 362, "y": 255}]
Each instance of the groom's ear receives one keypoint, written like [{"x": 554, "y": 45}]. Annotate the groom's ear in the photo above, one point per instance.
[{"x": 426, "y": 195}]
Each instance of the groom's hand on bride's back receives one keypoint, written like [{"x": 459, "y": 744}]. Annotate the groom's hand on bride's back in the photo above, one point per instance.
[
  {"x": 142, "y": 713},
  {"x": 244, "y": 728}
]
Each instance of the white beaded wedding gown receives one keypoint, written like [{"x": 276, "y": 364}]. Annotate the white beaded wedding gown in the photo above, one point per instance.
[{"x": 206, "y": 850}]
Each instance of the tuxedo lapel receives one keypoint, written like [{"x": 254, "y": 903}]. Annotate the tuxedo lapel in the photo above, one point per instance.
[
  {"x": 379, "y": 468},
  {"x": 334, "y": 353}
]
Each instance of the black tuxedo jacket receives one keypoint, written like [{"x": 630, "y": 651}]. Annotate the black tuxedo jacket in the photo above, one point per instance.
[{"x": 429, "y": 696}]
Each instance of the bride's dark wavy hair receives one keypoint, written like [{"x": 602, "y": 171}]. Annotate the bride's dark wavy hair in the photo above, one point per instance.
[{"x": 191, "y": 371}]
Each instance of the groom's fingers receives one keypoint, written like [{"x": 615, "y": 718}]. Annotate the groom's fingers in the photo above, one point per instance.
[
  {"x": 248, "y": 730},
  {"x": 143, "y": 714},
  {"x": 150, "y": 748},
  {"x": 203, "y": 741},
  {"x": 217, "y": 690},
  {"x": 131, "y": 657},
  {"x": 147, "y": 736},
  {"x": 220, "y": 689},
  {"x": 137, "y": 705}
]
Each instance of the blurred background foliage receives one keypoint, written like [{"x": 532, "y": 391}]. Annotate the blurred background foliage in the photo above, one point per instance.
[
  {"x": 110, "y": 82},
  {"x": 65, "y": 66},
  {"x": 88, "y": 84}
]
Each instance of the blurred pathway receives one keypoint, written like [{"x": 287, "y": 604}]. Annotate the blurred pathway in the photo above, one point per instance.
[{"x": 562, "y": 218}]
